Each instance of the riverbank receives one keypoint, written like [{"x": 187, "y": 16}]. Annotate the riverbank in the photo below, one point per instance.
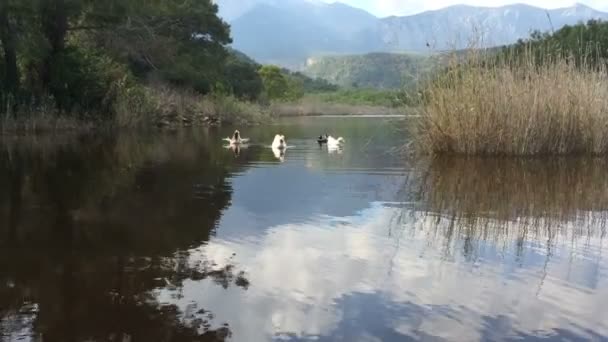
[
  {"x": 331, "y": 109},
  {"x": 171, "y": 108},
  {"x": 146, "y": 108},
  {"x": 346, "y": 102}
]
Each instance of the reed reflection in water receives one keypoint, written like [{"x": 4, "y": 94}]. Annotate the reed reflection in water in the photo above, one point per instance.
[
  {"x": 166, "y": 237},
  {"x": 471, "y": 249},
  {"x": 543, "y": 221}
]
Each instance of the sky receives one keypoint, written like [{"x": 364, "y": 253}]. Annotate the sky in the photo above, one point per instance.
[{"x": 384, "y": 8}]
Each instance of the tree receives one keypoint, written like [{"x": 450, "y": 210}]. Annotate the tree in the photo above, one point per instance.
[
  {"x": 275, "y": 83},
  {"x": 243, "y": 79},
  {"x": 585, "y": 43},
  {"x": 11, "y": 16},
  {"x": 182, "y": 42},
  {"x": 75, "y": 50}
]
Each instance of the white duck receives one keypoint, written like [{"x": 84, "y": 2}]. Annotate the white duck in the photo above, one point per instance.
[
  {"x": 279, "y": 142},
  {"x": 335, "y": 143},
  {"x": 236, "y": 139}
]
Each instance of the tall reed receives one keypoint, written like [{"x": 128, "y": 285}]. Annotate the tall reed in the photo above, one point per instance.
[{"x": 516, "y": 104}]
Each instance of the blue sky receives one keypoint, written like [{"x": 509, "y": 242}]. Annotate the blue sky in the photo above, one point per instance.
[{"x": 403, "y": 7}]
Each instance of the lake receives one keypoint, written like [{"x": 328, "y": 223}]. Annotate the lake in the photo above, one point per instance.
[{"x": 171, "y": 236}]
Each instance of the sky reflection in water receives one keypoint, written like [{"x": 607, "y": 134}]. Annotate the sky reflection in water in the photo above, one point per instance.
[{"x": 362, "y": 245}]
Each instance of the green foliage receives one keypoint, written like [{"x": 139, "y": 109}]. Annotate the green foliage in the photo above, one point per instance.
[
  {"x": 84, "y": 53},
  {"x": 309, "y": 84},
  {"x": 242, "y": 77},
  {"x": 362, "y": 97},
  {"x": 284, "y": 85},
  {"x": 295, "y": 88},
  {"x": 586, "y": 43},
  {"x": 376, "y": 70},
  {"x": 82, "y": 80},
  {"x": 274, "y": 81}
]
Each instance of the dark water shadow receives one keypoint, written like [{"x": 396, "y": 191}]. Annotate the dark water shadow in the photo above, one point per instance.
[{"x": 91, "y": 226}]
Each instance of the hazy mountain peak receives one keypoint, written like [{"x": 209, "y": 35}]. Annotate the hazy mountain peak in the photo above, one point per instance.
[{"x": 287, "y": 32}]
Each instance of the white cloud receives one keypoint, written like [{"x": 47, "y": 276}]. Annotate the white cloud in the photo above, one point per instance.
[
  {"x": 404, "y": 7},
  {"x": 300, "y": 273}
]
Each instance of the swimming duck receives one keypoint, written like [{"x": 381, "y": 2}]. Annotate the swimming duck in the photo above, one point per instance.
[
  {"x": 236, "y": 139},
  {"x": 279, "y": 142},
  {"x": 333, "y": 142}
]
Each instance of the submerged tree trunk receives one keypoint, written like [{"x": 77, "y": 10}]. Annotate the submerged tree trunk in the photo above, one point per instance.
[{"x": 9, "y": 46}]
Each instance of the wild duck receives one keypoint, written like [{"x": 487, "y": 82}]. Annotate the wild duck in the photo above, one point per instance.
[
  {"x": 279, "y": 142},
  {"x": 236, "y": 139}
]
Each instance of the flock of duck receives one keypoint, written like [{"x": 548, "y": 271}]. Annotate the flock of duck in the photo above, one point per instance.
[{"x": 279, "y": 144}]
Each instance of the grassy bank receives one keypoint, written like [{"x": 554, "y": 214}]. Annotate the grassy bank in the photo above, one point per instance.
[
  {"x": 166, "y": 106},
  {"x": 516, "y": 105},
  {"x": 360, "y": 97},
  {"x": 344, "y": 102},
  {"x": 140, "y": 107},
  {"x": 312, "y": 108}
]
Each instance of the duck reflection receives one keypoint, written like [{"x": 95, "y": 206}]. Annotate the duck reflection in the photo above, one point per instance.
[
  {"x": 279, "y": 153},
  {"x": 236, "y": 148}
]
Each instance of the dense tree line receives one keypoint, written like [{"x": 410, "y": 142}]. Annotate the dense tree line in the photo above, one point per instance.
[
  {"x": 585, "y": 43},
  {"x": 74, "y": 51},
  {"x": 81, "y": 56}
]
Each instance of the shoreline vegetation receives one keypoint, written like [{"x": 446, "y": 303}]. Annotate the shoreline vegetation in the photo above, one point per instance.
[
  {"x": 355, "y": 101},
  {"x": 134, "y": 63},
  {"x": 77, "y": 65},
  {"x": 123, "y": 64},
  {"x": 169, "y": 107},
  {"x": 544, "y": 96}
]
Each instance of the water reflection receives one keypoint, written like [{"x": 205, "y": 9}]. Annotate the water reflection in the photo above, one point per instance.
[
  {"x": 90, "y": 230},
  {"x": 172, "y": 237},
  {"x": 279, "y": 153},
  {"x": 236, "y": 148},
  {"x": 512, "y": 189},
  {"x": 473, "y": 249}
]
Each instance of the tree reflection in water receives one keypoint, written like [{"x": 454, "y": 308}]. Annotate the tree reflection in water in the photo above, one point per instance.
[{"x": 91, "y": 226}]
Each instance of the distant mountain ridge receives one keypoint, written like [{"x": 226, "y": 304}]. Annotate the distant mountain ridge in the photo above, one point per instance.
[
  {"x": 461, "y": 25},
  {"x": 288, "y": 32}
]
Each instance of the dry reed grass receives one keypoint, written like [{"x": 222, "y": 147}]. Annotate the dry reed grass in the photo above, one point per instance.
[
  {"x": 167, "y": 106},
  {"x": 40, "y": 118},
  {"x": 516, "y": 105}
]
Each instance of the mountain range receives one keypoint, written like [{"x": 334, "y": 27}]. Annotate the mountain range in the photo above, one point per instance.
[{"x": 289, "y": 32}]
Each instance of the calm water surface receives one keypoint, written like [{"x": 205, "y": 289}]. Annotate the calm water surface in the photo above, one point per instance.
[{"x": 173, "y": 237}]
